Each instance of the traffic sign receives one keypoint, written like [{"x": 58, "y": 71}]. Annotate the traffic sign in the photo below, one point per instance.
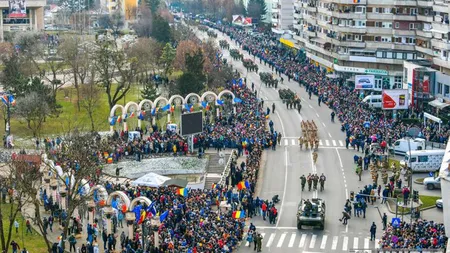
[
  {"x": 395, "y": 222},
  {"x": 367, "y": 124},
  {"x": 431, "y": 174}
]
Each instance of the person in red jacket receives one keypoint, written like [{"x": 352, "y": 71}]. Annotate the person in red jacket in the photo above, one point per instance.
[{"x": 264, "y": 210}]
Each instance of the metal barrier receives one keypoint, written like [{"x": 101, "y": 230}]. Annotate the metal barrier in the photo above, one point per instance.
[
  {"x": 435, "y": 145},
  {"x": 226, "y": 171}
]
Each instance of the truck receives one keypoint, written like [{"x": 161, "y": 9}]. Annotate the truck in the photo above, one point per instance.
[
  {"x": 423, "y": 160},
  {"x": 311, "y": 213}
]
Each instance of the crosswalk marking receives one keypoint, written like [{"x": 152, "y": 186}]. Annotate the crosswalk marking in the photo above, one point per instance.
[
  {"x": 344, "y": 243},
  {"x": 286, "y": 142},
  {"x": 320, "y": 142},
  {"x": 269, "y": 242},
  {"x": 324, "y": 242},
  {"x": 377, "y": 243},
  {"x": 313, "y": 241},
  {"x": 292, "y": 240},
  {"x": 302, "y": 241},
  {"x": 335, "y": 242},
  {"x": 327, "y": 142},
  {"x": 293, "y": 142},
  {"x": 280, "y": 242},
  {"x": 366, "y": 243},
  {"x": 334, "y": 143},
  {"x": 355, "y": 242},
  {"x": 341, "y": 143}
]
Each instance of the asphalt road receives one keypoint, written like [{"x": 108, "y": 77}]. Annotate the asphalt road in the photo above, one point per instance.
[{"x": 284, "y": 167}]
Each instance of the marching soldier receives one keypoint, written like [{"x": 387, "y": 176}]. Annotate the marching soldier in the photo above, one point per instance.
[
  {"x": 300, "y": 142},
  {"x": 309, "y": 180},
  {"x": 384, "y": 176},
  {"x": 317, "y": 144},
  {"x": 315, "y": 181},
  {"x": 306, "y": 144},
  {"x": 303, "y": 181},
  {"x": 279, "y": 138},
  {"x": 315, "y": 155}
]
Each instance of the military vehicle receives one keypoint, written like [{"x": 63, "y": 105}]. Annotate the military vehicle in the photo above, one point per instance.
[{"x": 311, "y": 213}]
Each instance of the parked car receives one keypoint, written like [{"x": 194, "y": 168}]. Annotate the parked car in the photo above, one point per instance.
[
  {"x": 432, "y": 183},
  {"x": 439, "y": 203}
]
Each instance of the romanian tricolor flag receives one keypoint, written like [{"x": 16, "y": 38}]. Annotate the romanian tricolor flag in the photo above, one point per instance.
[
  {"x": 131, "y": 114},
  {"x": 356, "y": 1},
  {"x": 238, "y": 214},
  {"x": 242, "y": 185},
  {"x": 172, "y": 108},
  {"x": 183, "y": 192},
  {"x": 142, "y": 218},
  {"x": 119, "y": 119}
]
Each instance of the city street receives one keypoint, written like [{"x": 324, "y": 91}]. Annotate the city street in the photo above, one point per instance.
[{"x": 284, "y": 167}]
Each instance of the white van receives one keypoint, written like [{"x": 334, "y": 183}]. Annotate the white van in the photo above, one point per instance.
[
  {"x": 373, "y": 100},
  {"x": 401, "y": 145},
  {"x": 424, "y": 160}
]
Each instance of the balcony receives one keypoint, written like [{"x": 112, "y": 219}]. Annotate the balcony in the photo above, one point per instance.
[
  {"x": 405, "y": 3},
  {"x": 324, "y": 11},
  {"x": 405, "y": 47},
  {"x": 380, "y": 16},
  {"x": 348, "y": 29},
  {"x": 423, "y": 3},
  {"x": 440, "y": 7},
  {"x": 347, "y": 43},
  {"x": 379, "y": 30},
  {"x": 424, "y": 33},
  {"x": 298, "y": 15},
  {"x": 378, "y": 44},
  {"x": 310, "y": 19},
  {"x": 351, "y": 2},
  {"x": 311, "y": 8},
  {"x": 405, "y": 17},
  {"x": 441, "y": 44},
  {"x": 443, "y": 28},
  {"x": 274, "y": 20},
  {"x": 441, "y": 62},
  {"x": 424, "y": 18},
  {"x": 424, "y": 50},
  {"x": 323, "y": 23},
  {"x": 381, "y": 2},
  {"x": 275, "y": 11},
  {"x": 276, "y": 6},
  {"x": 310, "y": 34},
  {"x": 300, "y": 39},
  {"x": 348, "y": 15},
  {"x": 298, "y": 27},
  {"x": 397, "y": 32},
  {"x": 297, "y": 4}
]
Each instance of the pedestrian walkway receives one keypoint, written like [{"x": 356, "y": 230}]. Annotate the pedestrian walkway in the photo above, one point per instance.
[
  {"x": 293, "y": 141},
  {"x": 313, "y": 242}
]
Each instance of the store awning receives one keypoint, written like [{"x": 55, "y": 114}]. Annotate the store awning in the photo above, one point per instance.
[
  {"x": 176, "y": 182},
  {"x": 287, "y": 42},
  {"x": 438, "y": 104}
]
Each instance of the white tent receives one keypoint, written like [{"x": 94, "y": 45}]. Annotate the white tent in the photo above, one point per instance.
[{"x": 151, "y": 179}]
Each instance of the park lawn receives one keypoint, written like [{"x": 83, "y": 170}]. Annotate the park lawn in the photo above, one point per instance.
[
  {"x": 33, "y": 243},
  {"x": 428, "y": 201},
  {"x": 395, "y": 161},
  {"x": 70, "y": 117}
]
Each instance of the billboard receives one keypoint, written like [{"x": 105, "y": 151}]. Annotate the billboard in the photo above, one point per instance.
[
  {"x": 17, "y": 9},
  {"x": 364, "y": 82},
  {"x": 191, "y": 123},
  {"x": 395, "y": 99}
]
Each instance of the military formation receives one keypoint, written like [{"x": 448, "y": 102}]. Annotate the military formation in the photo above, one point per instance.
[
  {"x": 250, "y": 65},
  {"x": 291, "y": 99},
  {"x": 211, "y": 34},
  {"x": 309, "y": 137},
  {"x": 224, "y": 44},
  {"x": 268, "y": 79},
  {"x": 236, "y": 55}
]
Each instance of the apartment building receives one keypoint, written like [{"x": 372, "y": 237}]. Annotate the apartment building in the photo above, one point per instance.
[
  {"x": 32, "y": 19},
  {"x": 440, "y": 42},
  {"x": 282, "y": 15},
  {"x": 128, "y": 8},
  {"x": 368, "y": 36}
]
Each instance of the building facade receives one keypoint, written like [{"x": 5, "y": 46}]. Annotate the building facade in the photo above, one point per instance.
[
  {"x": 33, "y": 20},
  {"x": 282, "y": 15},
  {"x": 350, "y": 37}
]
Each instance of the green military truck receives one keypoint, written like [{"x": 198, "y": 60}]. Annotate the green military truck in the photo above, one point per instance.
[{"x": 311, "y": 213}]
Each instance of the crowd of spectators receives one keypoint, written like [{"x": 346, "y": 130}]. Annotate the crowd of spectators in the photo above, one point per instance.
[
  {"x": 344, "y": 100},
  {"x": 419, "y": 235}
]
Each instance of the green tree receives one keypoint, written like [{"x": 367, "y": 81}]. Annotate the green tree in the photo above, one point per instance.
[
  {"x": 161, "y": 29},
  {"x": 257, "y": 9},
  {"x": 153, "y": 5},
  {"x": 195, "y": 62},
  {"x": 167, "y": 58},
  {"x": 150, "y": 91},
  {"x": 193, "y": 80}
]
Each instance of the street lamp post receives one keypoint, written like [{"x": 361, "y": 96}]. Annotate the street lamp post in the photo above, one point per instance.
[{"x": 413, "y": 132}]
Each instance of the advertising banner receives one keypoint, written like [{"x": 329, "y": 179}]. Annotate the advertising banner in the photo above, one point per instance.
[
  {"x": 395, "y": 99},
  {"x": 364, "y": 82},
  {"x": 17, "y": 9}
]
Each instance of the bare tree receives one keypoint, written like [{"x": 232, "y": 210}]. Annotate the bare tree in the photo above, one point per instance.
[
  {"x": 33, "y": 108},
  {"x": 77, "y": 54},
  {"x": 90, "y": 98},
  {"x": 18, "y": 176}
]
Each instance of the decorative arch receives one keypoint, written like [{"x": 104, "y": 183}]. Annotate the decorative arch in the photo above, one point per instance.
[
  {"x": 127, "y": 106},
  {"x": 203, "y": 97},
  {"x": 113, "y": 110},
  {"x": 133, "y": 203},
  {"x": 226, "y": 92},
  {"x": 143, "y": 102},
  {"x": 186, "y": 100},
  {"x": 98, "y": 187},
  {"x": 119, "y": 194},
  {"x": 155, "y": 104},
  {"x": 176, "y": 96}
]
